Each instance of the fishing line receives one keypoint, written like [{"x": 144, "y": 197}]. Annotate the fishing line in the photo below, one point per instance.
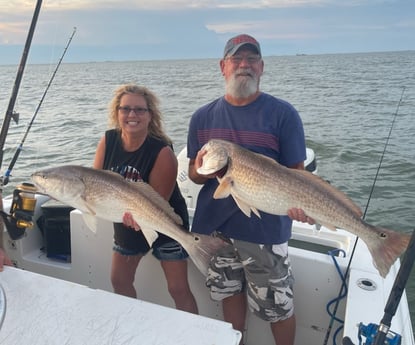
[
  {"x": 383, "y": 153},
  {"x": 20, "y": 146},
  {"x": 333, "y": 316}
]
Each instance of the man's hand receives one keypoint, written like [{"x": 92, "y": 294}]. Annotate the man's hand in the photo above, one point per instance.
[
  {"x": 195, "y": 164},
  {"x": 299, "y": 215},
  {"x": 199, "y": 162}
]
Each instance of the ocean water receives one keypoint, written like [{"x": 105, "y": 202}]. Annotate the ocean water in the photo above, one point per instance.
[{"x": 358, "y": 110}]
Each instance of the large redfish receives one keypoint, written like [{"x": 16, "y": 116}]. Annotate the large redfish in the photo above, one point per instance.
[
  {"x": 257, "y": 182},
  {"x": 107, "y": 195}
]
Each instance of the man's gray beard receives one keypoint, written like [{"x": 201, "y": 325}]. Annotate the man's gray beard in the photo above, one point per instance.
[{"x": 241, "y": 87}]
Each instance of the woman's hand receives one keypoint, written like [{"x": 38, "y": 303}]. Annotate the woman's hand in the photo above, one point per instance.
[{"x": 129, "y": 221}]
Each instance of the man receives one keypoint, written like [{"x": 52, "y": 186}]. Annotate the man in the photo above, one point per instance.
[{"x": 256, "y": 271}]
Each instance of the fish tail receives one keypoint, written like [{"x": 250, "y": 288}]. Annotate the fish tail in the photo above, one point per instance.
[
  {"x": 387, "y": 248},
  {"x": 203, "y": 249}
]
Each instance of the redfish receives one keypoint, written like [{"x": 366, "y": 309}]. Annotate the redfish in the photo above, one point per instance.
[
  {"x": 258, "y": 183},
  {"x": 107, "y": 195}
]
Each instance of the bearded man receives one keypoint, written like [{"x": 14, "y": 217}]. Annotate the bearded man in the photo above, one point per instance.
[{"x": 255, "y": 271}]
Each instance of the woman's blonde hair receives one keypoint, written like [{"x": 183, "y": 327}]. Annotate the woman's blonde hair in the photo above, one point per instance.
[{"x": 155, "y": 128}]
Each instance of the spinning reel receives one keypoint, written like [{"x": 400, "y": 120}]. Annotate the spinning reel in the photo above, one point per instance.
[{"x": 21, "y": 211}]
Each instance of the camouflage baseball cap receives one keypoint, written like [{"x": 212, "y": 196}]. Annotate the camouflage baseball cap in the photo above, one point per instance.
[{"x": 237, "y": 42}]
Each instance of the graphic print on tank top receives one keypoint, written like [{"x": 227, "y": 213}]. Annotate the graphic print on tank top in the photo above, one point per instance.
[{"x": 128, "y": 172}]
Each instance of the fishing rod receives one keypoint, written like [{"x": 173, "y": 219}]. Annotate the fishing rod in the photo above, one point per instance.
[
  {"x": 377, "y": 335},
  {"x": 20, "y": 147},
  {"x": 10, "y": 112},
  {"x": 344, "y": 286},
  {"x": 396, "y": 292},
  {"x": 10, "y": 109}
]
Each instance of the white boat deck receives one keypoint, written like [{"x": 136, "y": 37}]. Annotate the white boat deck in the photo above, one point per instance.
[{"x": 45, "y": 310}]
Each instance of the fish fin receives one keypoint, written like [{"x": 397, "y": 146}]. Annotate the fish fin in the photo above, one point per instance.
[
  {"x": 150, "y": 235},
  {"x": 253, "y": 209},
  {"x": 337, "y": 194},
  {"x": 83, "y": 205},
  {"x": 90, "y": 210},
  {"x": 223, "y": 191},
  {"x": 201, "y": 248},
  {"x": 386, "y": 247},
  {"x": 245, "y": 208},
  {"x": 224, "y": 188},
  {"x": 91, "y": 221}
]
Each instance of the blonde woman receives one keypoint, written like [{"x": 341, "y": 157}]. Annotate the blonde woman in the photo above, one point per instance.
[{"x": 137, "y": 148}]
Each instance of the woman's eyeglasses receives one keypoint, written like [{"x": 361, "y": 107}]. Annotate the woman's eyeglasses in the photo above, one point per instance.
[{"x": 128, "y": 110}]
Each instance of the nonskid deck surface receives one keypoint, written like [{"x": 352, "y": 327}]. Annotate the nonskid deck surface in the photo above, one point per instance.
[{"x": 41, "y": 309}]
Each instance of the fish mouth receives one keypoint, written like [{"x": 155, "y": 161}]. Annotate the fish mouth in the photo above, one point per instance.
[
  {"x": 214, "y": 160},
  {"x": 207, "y": 169},
  {"x": 37, "y": 182}
]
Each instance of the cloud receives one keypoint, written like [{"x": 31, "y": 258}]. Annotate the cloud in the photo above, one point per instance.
[
  {"x": 11, "y": 6},
  {"x": 133, "y": 29},
  {"x": 406, "y": 24}
]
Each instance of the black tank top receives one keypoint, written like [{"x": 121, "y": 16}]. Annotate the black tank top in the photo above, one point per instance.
[{"x": 137, "y": 166}]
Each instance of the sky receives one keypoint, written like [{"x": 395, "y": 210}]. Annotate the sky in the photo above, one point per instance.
[{"x": 117, "y": 30}]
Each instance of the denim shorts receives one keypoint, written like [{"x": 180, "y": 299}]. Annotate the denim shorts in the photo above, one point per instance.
[
  {"x": 170, "y": 251},
  {"x": 263, "y": 271}
]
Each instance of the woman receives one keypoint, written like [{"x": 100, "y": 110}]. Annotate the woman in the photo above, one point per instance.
[{"x": 137, "y": 148}]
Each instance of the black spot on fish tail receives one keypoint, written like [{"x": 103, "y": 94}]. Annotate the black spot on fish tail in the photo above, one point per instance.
[{"x": 387, "y": 248}]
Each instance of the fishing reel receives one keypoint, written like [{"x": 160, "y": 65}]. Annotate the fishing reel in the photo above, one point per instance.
[
  {"x": 370, "y": 332},
  {"x": 21, "y": 211}
]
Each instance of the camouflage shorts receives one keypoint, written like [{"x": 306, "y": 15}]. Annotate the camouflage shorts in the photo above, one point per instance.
[{"x": 264, "y": 271}]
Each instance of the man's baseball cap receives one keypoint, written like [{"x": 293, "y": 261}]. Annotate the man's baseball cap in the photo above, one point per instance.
[{"x": 237, "y": 42}]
